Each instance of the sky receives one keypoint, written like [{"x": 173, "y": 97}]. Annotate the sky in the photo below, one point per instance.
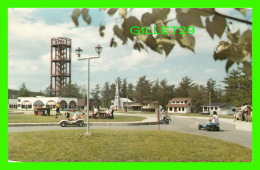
[{"x": 30, "y": 31}]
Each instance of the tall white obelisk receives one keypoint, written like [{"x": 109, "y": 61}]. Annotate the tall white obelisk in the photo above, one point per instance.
[{"x": 117, "y": 97}]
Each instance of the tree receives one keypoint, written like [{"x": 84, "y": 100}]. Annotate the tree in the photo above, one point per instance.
[
  {"x": 162, "y": 92},
  {"x": 142, "y": 90},
  {"x": 130, "y": 91},
  {"x": 48, "y": 92},
  {"x": 71, "y": 90},
  {"x": 123, "y": 89},
  {"x": 238, "y": 87},
  {"x": 167, "y": 92},
  {"x": 156, "y": 90},
  {"x": 112, "y": 91},
  {"x": 211, "y": 88},
  {"x": 184, "y": 87},
  {"x": 96, "y": 94},
  {"x": 13, "y": 94},
  {"x": 83, "y": 91},
  {"x": 238, "y": 48},
  {"x": 23, "y": 91},
  {"x": 105, "y": 95},
  {"x": 199, "y": 96}
]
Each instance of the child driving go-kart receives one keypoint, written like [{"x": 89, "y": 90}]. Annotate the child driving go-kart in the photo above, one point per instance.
[{"x": 213, "y": 123}]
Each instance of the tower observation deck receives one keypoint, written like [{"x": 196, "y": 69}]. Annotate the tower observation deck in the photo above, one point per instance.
[{"x": 60, "y": 74}]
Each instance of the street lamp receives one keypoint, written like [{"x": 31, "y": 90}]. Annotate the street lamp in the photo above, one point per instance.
[
  {"x": 209, "y": 102},
  {"x": 79, "y": 52}
]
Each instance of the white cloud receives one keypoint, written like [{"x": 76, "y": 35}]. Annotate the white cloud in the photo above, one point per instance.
[
  {"x": 210, "y": 71},
  {"x": 164, "y": 71}
]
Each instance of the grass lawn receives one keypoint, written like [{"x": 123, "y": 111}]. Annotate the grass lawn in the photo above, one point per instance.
[
  {"x": 26, "y": 118},
  {"x": 122, "y": 146}
]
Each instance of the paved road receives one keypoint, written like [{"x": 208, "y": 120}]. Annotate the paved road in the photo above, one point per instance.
[{"x": 228, "y": 132}]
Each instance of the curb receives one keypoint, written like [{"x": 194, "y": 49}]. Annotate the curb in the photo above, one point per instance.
[{"x": 92, "y": 124}]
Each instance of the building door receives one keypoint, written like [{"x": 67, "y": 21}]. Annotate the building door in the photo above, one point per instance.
[{"x": 175, "y": 109}]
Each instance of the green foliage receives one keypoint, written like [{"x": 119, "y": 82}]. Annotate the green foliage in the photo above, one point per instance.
[
  {"x": 71, "y": 90},
  {"x": 130, "y": 91},
  {"x": 13, "y": 94},
  {"x": 142, "y": 90},
  {"x": 96, "y": 95},
  {"x": 48, "y": 92},
  {"x": 162, "y": 92},
  {"x": 216, "y": 27},
  {"x": 238, "y": 87},
  {"x": 23, "y": 91},
  {"x": 237, "y": 49},
  {"x": 106, "y": 95},
  {"x": 184, "y": 87},
  {"x": 198, "y": 95}
]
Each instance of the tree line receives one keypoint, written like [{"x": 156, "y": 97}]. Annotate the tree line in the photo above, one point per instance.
[{"x": 237, "y": 90}]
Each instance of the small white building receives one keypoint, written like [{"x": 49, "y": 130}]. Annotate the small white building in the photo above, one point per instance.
[
  {"x": 12, "y": 103},
  {"x": 123, "y": 103},
  {"x": 220, "y": 108},
  {"x": 28, "y": 103},
  {"x": 150, "y": 106},
  {"x": 179, "y": 105},
  {"x": 120, "y": 103}
]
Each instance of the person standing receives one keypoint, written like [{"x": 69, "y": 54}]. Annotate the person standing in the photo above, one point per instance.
[
  {"x": 57, "y": 106},
  {"x": 247, "y": 113}
]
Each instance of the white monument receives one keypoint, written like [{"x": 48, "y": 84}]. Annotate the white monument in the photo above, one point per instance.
[{"x": 117, "y": 97}]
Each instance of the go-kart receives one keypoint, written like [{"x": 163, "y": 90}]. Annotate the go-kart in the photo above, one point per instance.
[
  {"x": 166, "y": 119},
  {"x": 209, "y": 126},
  {"x": 79, "y": 122}
]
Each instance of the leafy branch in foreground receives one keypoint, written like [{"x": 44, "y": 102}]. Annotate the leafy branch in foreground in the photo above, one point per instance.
[{"x": 237, "y": 49}]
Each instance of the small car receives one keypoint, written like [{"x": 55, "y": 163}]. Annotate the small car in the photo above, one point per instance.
[
  {"x": 166, "y": 119},
  {"x": 79, "y": 122},
  {"x": 209, "y": 126}
]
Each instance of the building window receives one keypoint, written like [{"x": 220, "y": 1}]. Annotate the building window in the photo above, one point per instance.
[
  {"x": 216, "y": 108},
  {"x": 19, "y": 100},
  {"x": 170, "y": 108},
  {"x": 182, "y": 108},
  {"x": 179, "y": 108}
]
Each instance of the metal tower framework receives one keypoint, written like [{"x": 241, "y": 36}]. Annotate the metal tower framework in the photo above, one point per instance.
[{"x": 60, "y": 64}]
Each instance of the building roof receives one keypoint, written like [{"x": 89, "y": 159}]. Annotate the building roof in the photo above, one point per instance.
[
  {"x": 137, "y": 104},
  {"x": 222, "y": 105},
  {"x": 12, "y": 101},
  {"x": 126, "y": 100},
  {"x": 186, "y": 100}
]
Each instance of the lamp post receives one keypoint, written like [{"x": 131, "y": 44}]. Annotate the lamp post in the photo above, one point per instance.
[
  {"x": 79, "y": 52},
  {"x": 209, "y": 102}
]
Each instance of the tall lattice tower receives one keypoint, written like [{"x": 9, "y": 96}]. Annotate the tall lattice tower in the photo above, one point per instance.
[{"x": 60, "y": 64}]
